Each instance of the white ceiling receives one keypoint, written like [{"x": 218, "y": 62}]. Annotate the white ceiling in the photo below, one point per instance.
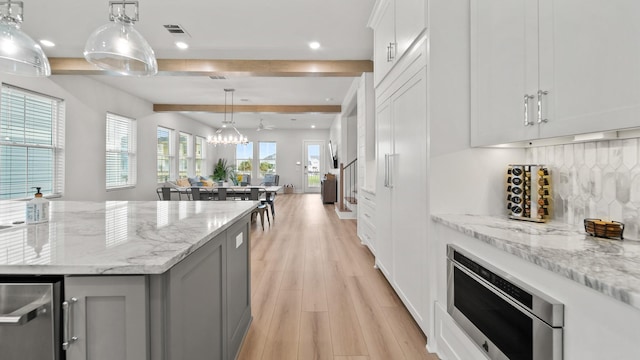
[{"x": 224, "y": 29}]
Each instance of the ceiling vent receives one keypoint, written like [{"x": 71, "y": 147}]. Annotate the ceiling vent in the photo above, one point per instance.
[
  {"x": 217, "y": 77},
  {"x": 176, "y": 30}
]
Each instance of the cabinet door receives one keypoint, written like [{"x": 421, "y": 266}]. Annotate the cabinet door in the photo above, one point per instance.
[
  {"x": 589, "y": 64},
  {"x": 238, "y": 285},
  {"x": 383, "y": 192},
  {"x": 409, "y": 201},
  {"x": 383, "y": 38},
  {"x": 196, "y": 303},
  {"x": 504, "y": 69},
  {"x": 109, "y": 317},
  {"x": 410, "y": 21}
]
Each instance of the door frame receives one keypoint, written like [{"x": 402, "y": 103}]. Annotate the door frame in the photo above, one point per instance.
[{"x": 305, "y": 144}]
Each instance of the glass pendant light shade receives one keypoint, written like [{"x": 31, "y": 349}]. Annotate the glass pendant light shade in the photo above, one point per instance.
[
  {"x": 19, "y": 54},
  {"x": 118, "y": 46}
]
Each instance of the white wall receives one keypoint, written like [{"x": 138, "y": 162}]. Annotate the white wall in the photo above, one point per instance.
[
  {"x": 290, "y": 150},
  {"x": 87, "y": 102}
]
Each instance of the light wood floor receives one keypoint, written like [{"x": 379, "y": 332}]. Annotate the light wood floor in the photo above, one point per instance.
[{"x": 316, "y": 295}]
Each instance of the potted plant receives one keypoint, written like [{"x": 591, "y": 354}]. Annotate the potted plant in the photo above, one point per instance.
[{"x": 221, "y": 171}]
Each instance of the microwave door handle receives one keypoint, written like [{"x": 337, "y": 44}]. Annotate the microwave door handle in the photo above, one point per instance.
[{"x": 26, "y": 313}]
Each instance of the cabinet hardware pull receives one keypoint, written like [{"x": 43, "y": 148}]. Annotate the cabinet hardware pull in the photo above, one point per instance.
[
  {"x": 526, "y": 110},
  {"x": 541, "y": 93},
  {"x": 386, "y": 170},
  {"x": 392, "y": 51},
  {"x": 67, "y": 315},
  {"x": 389, "y": 53}
]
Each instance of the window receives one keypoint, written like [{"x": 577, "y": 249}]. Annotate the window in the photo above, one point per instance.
[
  {"x": 165, "y": 155},
  {"x": 31, "y": 143},
  {"x": 185, "y": 155},
  {"x": 121, "y": 152},
  {"x": 244, "y": 158},
  {"x": 201, "y": 155},
  {"x": 267, "y": 158}
]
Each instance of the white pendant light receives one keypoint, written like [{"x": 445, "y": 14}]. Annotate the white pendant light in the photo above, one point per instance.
[
  {"x": 118, "y": 46},
  {"x": 19, "y": 54}
]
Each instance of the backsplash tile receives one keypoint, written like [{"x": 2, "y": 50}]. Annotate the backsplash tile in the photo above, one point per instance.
[{"x": 594, "y": 180}]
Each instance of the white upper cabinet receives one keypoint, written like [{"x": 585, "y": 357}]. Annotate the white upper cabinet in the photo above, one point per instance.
[
  {"x": 545, "y": 68},
  {"x": 396, "y": 25}
]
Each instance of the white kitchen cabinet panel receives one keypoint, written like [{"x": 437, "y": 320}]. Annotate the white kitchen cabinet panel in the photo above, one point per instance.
[
  {"x": 410, "y": 21},
  {"x": 367, "y": 219},
  {"x": 543, "y": 69},
  {"x": 504, "y": 71},
  {"x": 383, "y": 40},
  {"x": 384, "y": 148},
  {"x": 401, "y": 195},
  {"x": 589, "y": 56},
  {"x": 396, "y": 25},
  {"x": 108, "y": 317}
]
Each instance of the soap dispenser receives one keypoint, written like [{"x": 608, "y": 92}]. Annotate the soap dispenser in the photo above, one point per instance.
[{"x": 37, "y": 209}]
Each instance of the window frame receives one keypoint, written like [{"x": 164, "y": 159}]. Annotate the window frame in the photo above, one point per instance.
[
  {"x": 251, "y": 159},
  {"x": 260, "y": 160},
  {"x": 202, "y": 158},
  {"x": 131, "y": 152},
  {"x": 19, "y": 99},
  {"x": 170, "y": 156},
  {"x": 187, "y": 157}
]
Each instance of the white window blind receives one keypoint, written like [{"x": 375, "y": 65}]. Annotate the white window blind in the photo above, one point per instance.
[
  {"x": 185, "y": 155},
  {"x": 166, "y": 171},
  {"x": 31, "y": 143},
  {"x": 120, "y": 152}
]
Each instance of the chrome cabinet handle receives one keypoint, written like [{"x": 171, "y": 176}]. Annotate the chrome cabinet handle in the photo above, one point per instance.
[
  {"x": 389, "y": 59},
  {"x": 386, "y": 170},
  {"x": 541, "y": 93},
  {"x": 392, "y": 51},
  {"x": 526, "y": 110},
  {"x": 67, "y": 313},
  {"x": 390, "y": 172}
]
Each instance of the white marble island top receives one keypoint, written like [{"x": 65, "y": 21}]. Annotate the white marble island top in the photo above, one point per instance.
[
  {"x": 112, "y": 237},
  {"x": 611, "y": 267}
]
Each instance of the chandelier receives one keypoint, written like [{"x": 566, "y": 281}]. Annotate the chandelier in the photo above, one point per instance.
[{"x": 228, "y": 139}]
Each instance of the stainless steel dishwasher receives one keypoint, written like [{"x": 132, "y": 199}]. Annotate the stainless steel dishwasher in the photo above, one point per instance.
[{"x": 30, "y": 318}]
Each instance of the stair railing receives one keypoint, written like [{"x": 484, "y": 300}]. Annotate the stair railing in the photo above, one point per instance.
[{"x": 348, "y": 182}]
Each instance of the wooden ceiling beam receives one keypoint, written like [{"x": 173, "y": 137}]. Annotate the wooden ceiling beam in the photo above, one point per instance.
[
  {"x": 259, "y": 68},
  {"x": 280, "y": 109}
]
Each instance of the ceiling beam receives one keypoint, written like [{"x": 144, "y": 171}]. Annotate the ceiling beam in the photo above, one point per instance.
[
  {"x": 280, "y": 109},
  {"x": 195, "y": 67}
]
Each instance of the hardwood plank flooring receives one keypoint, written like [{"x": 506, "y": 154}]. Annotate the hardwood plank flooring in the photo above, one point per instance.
[{"x": 316, "y": 295}]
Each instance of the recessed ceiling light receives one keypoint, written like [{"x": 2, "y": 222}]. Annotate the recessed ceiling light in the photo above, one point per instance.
[
  {"x": 328, "y": 99},
  {"x": 47, "y": 43},
  {"x": 314, "y": 45},
  {"x": 182, "y": 45},
  {"x": 313, "y": 126}
]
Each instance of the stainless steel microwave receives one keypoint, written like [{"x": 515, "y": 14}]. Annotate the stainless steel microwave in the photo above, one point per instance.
[{"x": 505, "y": 317}]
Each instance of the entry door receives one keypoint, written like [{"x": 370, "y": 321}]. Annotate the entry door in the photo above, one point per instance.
[{"x": 313, "y": 165}]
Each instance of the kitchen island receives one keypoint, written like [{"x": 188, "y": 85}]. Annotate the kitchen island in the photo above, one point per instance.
[
  {"x": 143, "y": 280},
  {"x": 597, "y": 280}
]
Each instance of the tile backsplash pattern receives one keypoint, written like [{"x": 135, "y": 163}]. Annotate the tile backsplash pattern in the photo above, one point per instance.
[{"x": 594, "y": 180}]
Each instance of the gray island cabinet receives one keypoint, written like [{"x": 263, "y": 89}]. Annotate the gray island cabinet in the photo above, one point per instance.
[{"x": 150, "y": 280}]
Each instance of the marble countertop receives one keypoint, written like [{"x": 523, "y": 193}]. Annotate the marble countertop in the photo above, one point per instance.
[
  {"x": 112, "y": 237},
  {"x": 611, "y": 267}
]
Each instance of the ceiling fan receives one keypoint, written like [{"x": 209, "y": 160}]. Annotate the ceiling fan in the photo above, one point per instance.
[{"x": 261, "y": 126}]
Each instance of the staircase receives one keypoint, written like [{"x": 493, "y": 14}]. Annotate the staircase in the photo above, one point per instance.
[{"x": 348, "y": 198}]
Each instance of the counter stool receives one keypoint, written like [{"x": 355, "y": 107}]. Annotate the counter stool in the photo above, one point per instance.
[{"x": 262, "y": 210}]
